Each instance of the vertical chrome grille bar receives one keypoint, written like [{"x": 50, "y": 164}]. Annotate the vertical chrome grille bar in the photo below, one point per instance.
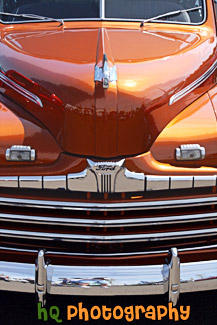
[{"x": 105, "y": 185}]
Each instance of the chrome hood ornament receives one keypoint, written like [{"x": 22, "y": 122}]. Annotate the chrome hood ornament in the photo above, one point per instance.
[{"x": 105, "y": 74}]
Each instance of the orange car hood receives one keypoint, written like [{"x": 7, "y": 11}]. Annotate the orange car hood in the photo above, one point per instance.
[{"x": 126, "y": 118}]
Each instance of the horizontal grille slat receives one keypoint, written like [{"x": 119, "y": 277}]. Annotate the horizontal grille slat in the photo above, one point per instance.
[
  {"x": 135, "y": 222},
  {"x": 142, "y": 253},
  {"x": 110, "y": 239},
  {"x": 117, "y": 206}
]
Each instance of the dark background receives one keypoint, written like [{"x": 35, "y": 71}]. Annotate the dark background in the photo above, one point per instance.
[{"x": 16, "y": 308}]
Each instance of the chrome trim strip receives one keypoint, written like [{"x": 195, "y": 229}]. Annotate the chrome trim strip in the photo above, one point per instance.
[
  {"x": 97, "y": 206},
  {"x": 134, "y": 175},
  {"x": 82, "y": 174},
  {"x": 126, "y": 181},
  {"x": 178, "y": 182},
  {"x": 148, "y": 237},
  {"x": 157, "y": 183},
  {"x": 204, "y": 181},
  {"x": 54, "y": 182},
  {"x": 193, "y": 85},
  {"x": 27, "y": 94},
  {"x": 99, "y": 223},
  {"x": 10, "y": 181},
  {"x": 84, "y": 181},
  {"x": 109, "y": 178},
  {"x": 30, "y": 182}
]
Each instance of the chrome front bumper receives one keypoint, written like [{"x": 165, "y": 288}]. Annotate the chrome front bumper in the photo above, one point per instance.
[{"x": 171, "y": 278}]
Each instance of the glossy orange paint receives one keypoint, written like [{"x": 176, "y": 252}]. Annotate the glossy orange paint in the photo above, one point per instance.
[
  {"x": 147, "y": 164},
  {"x": 22, "y": 131},
  {"x": 153, "y": 63},
  {"x": 183, "y": 129}
]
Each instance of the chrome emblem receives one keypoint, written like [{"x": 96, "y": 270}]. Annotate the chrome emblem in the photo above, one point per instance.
[
  {"x": 105, "y": 168},
  {"x": 105, "y": 174},
  {"x": 105, "y": 74}
]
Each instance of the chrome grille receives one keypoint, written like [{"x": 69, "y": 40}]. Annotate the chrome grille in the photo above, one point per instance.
[{"x": 108, "y": 228}]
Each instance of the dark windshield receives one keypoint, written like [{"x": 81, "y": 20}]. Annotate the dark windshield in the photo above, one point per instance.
[
  {"x": 145, "y": 9},
  {"x": 61, "y": 9},
  {"x": 106, "y": 9}
]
